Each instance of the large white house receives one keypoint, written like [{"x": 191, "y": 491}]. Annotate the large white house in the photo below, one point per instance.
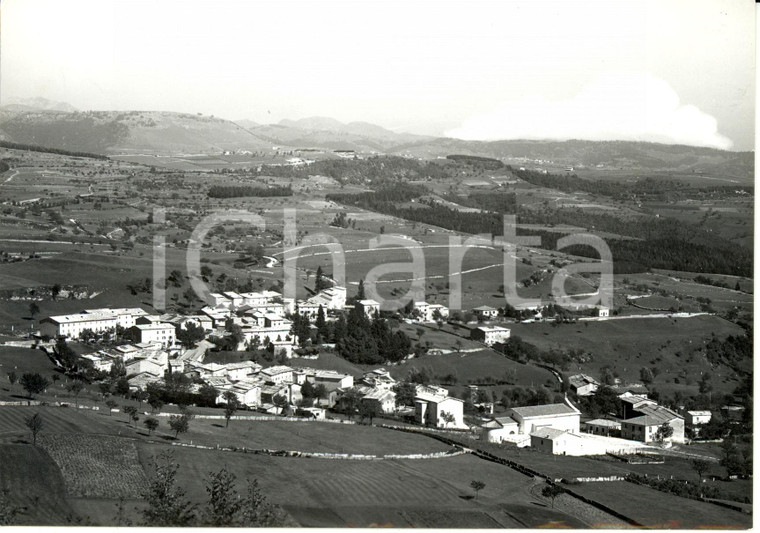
[
  {"x": 72, "y": 326},
  {"x": 490, "y": 335},
  {"x": 433, "y": 409},
  {"x": 158, "y": 332}
]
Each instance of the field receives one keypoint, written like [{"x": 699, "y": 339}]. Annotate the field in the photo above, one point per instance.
[
  {"x": 476, "y": 367},
  {"x": 428, "y": 493},
  {"x": 661, "y": 510},
  {"x": 627, "y": 345},
  {"x": 35, "y": 483},
  {"x": 96, "y": 466}
]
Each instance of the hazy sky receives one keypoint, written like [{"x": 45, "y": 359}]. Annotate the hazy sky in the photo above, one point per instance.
[{"x": 666, "y": 71}]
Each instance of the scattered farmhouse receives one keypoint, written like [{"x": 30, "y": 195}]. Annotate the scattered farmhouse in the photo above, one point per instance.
[
  {"x": 438, "y": 410},
  {"x": 485, "y": 312},
  {"x": 583, "y": 385},
  {"x": 490, "y": 335}
]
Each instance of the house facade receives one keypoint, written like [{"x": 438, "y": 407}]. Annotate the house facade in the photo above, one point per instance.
[
  {"x": 490, "y": 335},
  {"x": 558, "y": 416}
]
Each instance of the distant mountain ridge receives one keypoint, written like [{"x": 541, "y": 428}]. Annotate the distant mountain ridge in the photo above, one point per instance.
[{"x": 156, "y": 132}]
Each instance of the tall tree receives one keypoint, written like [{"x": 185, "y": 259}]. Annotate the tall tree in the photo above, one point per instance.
[
  {"x": 360, "y": 293},
  {"x": 551, "y": 492},
  {"x": 34, "y": 423},
  {"x": 477, "y": 486},
  {"x": 33, "y": 309},
  {"x": 322, "y": 328},
  {"x": 33, "y": 383},
  {"x": 224, "y": 503},
  {"x": 12, "y": 378},
  {"x": 152, "y": 424},
  {"x": 232, "y": 404},
  {"x": 167, "y": 504},
  {"x": 75, "y": 387}
]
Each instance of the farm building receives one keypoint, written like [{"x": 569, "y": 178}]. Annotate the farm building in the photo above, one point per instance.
[
  {"x": 329, "y": 378},
  {"x": 278, "y": 374},
  {"x": 316, "y": 413},
  {"x": 248, "y": 393},
  {"x": 379, "y": 378},
  {"x": 384, "y": 399},
  {"x": 604, "y": 427},
  {"x": 560, "y": 442},
  {"x": 698, "y": 418},
  {"x": 603, "y": 312},
  {"x": 429, "y": 409},
  {"x": 499, "y": 429},
  {"x": 240, "y": 371},
  {"x": 583, "y": 385},
  {"x": 490, "y": 335},
  {"x": 431, "y": 312},
  {"x": 368, "y": 307},
  {"x": 556, "y": 415},
  {"x": 485, "y": 312},
  {"x": 146, "y": 366},
  {"x": 632, "y": 404},
  {"x": 644, "y": 427},
  {"x": 332, "y": 298},
  {"x": 732, "y": 412}
]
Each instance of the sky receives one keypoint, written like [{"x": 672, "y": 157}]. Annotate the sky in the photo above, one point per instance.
[{"x": 668, "y": 71}]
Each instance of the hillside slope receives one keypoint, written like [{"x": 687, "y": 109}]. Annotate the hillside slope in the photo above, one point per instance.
[{"x": 127, "y": 132}]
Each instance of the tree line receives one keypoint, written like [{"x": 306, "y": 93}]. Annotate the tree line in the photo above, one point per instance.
[{"x": 239, "y": 191}]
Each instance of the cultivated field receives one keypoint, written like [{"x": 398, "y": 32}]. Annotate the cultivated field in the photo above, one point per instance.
[{"x": 428, "y": 493}]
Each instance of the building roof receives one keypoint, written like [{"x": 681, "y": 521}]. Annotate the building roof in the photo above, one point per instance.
[
  {"x": 603, "y": 422},
  {"x": 276, "y": 370},
  {"x": 241, "y": 365},
  {"x": 492, "y": 329},
  {"x": 635, "y": 400},
  {"x": 499, "y": 422},
  {"x": 548, "y": 433},
  {"x": 700, "y": 413},
  {"x": 117, "y": 311},
  {"x": 553, "y": 409},
  {"x": 380, "y": 395},
  {"x": 79, "y": 317},
  {"x": 581, "y": 380},
  {"x": 484, "y": 308},
  {"x": 653, "y": 415},
  {"x": 154, "y": 326},
  {"x": 368, "y": 302}
]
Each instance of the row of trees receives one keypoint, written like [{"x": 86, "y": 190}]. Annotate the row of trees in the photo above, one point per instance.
[
  {"x": 239, "y": 191},
  {"x": 168, "y": 505}
]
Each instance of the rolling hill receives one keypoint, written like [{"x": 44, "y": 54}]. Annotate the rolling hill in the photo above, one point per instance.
[{"x": 51, "y": 124}]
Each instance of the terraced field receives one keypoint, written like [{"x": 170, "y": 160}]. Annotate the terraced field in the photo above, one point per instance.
[
  {"x": 35, "y": 483},
  {"x": 96, "y": 466},
  {"x": 427, "y": 493}
]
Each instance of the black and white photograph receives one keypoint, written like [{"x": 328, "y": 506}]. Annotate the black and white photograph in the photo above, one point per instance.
[{"x": 375, "y": 263}]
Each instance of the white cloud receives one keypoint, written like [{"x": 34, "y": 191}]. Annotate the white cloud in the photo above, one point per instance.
[{"x": 614, "y": 106}]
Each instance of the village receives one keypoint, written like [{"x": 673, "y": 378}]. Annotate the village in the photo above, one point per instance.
[{"x": 165, "y": 346}]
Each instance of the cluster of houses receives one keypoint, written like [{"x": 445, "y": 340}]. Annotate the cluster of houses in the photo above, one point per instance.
[{"x": 557, "y": 428}]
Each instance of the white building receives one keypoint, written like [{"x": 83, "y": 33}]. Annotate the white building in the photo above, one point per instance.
[
  {"x": 430, "y": 409},
  {"x": 557, "y": 416},
  {"x": 72, "y": 326},
  {"x": 125, "y": 316},
  {"x": 384, "y": 399},
  {"x": 368, "y": 307},
  {"x": 485, "y": 312},
  {"x": 277, "y": 374},
  {"x": 490, "y": 335},
  {"x": 160, "y": 332}
]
